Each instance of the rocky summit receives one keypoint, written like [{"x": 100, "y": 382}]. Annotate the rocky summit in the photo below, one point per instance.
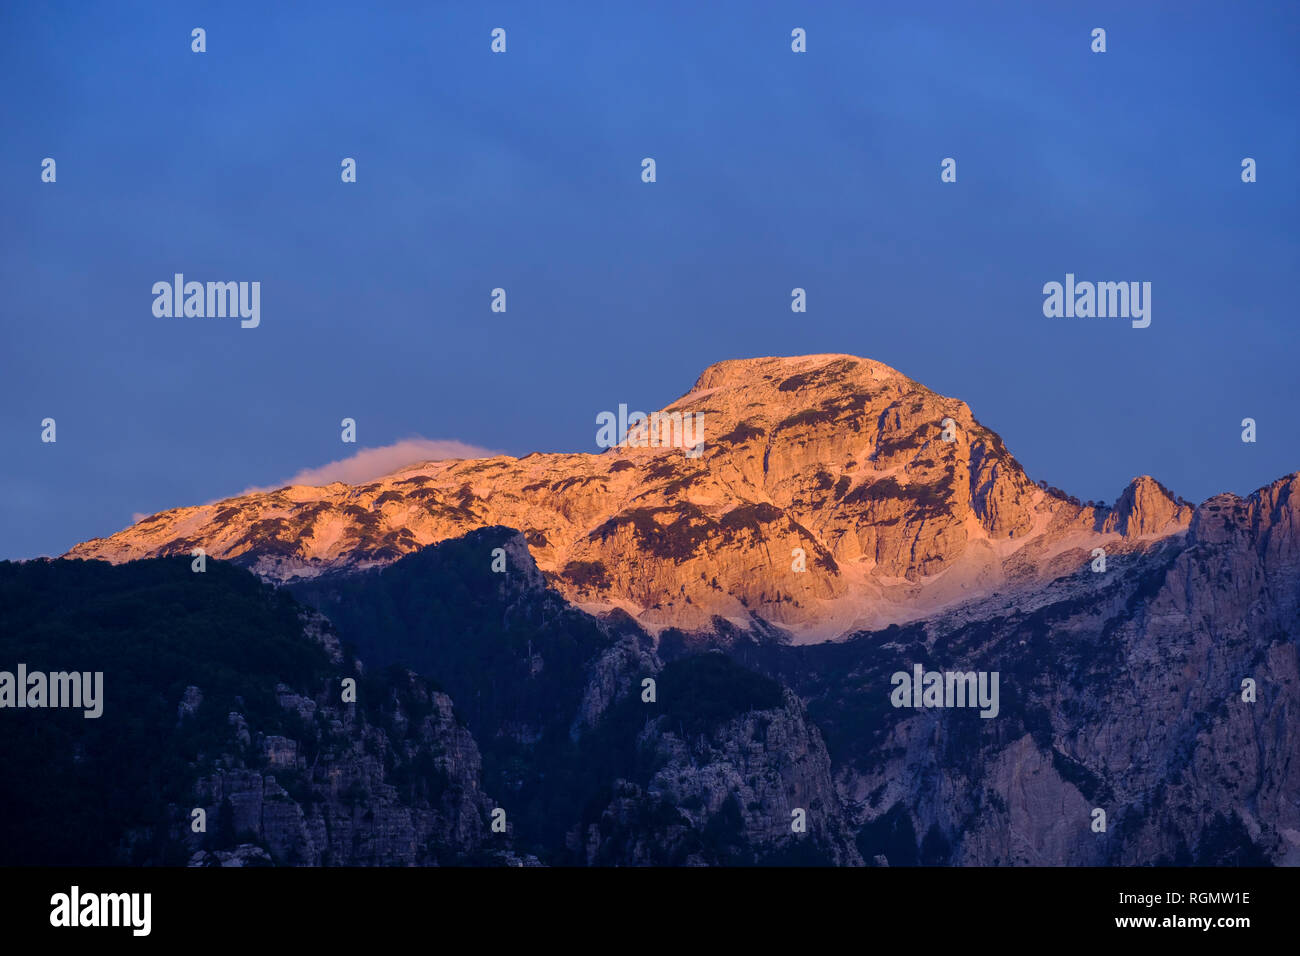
[{"x": 833, "y": 494}]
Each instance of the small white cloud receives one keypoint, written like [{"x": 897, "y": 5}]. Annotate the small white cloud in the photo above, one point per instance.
[
  {"x": 366, "y": 465},
  {"x": 370, "y": 463}
]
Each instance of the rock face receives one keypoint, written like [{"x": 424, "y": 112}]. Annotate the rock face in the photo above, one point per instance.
[
  {"x": 1163, "y": 692},
  {"x": 600, "y": 752},
  {"x": 836, "y": 465},
  {"x": 724, "y": 769},
  {"x": 396, "y": 782},
  {"x": 224, "y": 695},
  {"x": 1146, "y": 508},
  {"x": 346, "y": 794},
  {"x": 742, "y": 785}
]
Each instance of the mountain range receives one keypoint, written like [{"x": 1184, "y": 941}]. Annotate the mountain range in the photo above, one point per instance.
[{"x": 842, "y": 524}]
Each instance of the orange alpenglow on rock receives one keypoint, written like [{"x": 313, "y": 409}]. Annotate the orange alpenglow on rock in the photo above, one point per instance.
[{"x": 899, "y": 515}]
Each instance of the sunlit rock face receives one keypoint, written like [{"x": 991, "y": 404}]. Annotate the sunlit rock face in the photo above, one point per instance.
[{"x": 832, "y": 494}]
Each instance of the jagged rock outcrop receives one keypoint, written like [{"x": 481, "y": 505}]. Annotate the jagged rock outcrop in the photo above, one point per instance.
[
  {"x": 616, "y": 673},
  {"x": 769, "y": 764},
  {"x": 350, "y": 792},
  {"x": 1147, "y": 508},
  {"x": 728, "y": 770}
]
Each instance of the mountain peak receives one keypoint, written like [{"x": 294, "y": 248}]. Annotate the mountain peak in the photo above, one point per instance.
[
  {"x": 1146, "y": 507},
  {"x": 832, "y": 493},
  {"x": 745, "y": 371}
]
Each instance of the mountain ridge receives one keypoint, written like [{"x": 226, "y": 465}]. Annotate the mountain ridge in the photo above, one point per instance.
[{"x": 842, "y": 457}]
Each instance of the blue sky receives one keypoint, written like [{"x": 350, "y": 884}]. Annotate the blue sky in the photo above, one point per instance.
[{"x": 522, "y": 170}]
